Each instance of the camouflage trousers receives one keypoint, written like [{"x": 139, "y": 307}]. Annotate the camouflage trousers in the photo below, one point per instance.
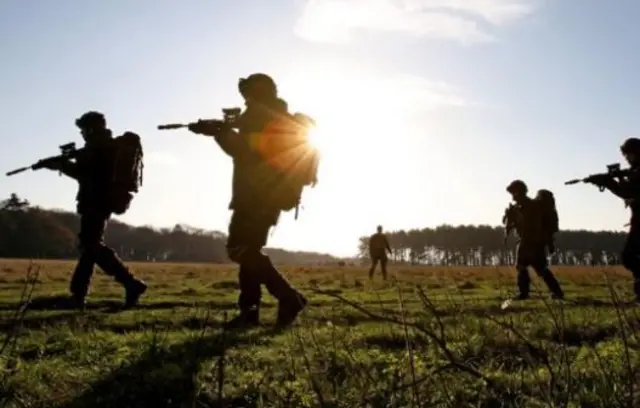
[
  {"x": 248, "y": 233},
  {"x": 378, "y": 259},
  {"x": 631, "y": 258},
  {"x": 531, "y": 254},
  {"x": 93, "y": 252}
]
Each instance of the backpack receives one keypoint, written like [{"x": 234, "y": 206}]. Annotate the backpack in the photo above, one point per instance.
[
  {"x": 127, "y": 171},
  {"x": 549, "y": 215},
  {"x": 291, "y": 159}
]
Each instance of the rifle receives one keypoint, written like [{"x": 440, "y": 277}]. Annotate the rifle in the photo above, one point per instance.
[
  {"x": 230, "y": 118},
  {"x": 613, "y": 171},
  {"x": 67, "y": 151},
  {"x": 508, "y": 219}
]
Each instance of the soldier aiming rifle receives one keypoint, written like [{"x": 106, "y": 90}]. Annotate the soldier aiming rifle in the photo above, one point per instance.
[
  {"x": 108, "y": 171},
  {"x": 67, "y": 152},
  {"x": 613, "y": 172},
  {"x": 271, "y": 165},
  {"x": 625, "y": 183}
]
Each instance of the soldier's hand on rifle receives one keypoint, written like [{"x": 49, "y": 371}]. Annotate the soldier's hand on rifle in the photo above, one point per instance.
[
  {"x": 55, "y": 165},
  {"x": 207, "y": 128},
  {"x": 600, "y": 180}
]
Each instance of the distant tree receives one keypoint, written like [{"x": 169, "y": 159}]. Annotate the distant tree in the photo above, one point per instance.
[
  {"x": 14, "y": 203},
  {"x": 32, "y": 232},
  {"x": 482, "y": 245}
]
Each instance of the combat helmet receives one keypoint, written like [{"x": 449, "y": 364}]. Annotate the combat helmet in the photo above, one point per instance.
[
  {"x": 258, "y": 85},
  {"x": 517, "y": 186},
  {"x": 631, "y": 145},
  {"x": 91, "y": 120}
]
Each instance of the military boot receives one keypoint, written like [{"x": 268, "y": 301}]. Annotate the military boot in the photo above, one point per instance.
[
  {"x": 134, "y": 289},
  {"x": 289, "y": 310},
  {"x": 77, "y": 301}
]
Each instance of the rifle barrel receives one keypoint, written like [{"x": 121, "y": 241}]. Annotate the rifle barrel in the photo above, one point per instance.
[
  {"x": 16, "y": 171},
  {"x": 172, "y": 126},
  {"x": 574, "y": 181}
]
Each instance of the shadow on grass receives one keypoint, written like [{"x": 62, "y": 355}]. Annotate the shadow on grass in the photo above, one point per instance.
[
  {"x": 62, "y": 302},
  {"x": 166, "y": 378},
  {"x": 71, "y": 319}
]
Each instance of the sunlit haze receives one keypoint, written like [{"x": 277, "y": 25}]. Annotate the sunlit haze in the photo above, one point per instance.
[{"x": 425, "y": 109}]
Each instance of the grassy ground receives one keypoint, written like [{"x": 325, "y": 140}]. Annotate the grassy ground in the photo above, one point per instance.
[{"x": 435, "y": 337}]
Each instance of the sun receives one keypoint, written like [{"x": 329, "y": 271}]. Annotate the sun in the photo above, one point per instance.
[{"x": 360, "y": 134}]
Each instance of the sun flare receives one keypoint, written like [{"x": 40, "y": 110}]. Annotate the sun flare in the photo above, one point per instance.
[{"x": 361, "y": 133}]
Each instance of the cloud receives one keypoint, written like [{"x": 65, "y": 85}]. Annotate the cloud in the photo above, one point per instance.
[
  {"x": 336, "y": 21},
  {"x": 372, "y": 94}
]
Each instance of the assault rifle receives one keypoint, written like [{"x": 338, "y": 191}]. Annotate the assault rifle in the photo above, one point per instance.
[
  {"x": 67, "y": 151},
  {"x": 508, "y": 219},
  {"x": 613, "y": 171},
  {"x": 229, "y": 118}
]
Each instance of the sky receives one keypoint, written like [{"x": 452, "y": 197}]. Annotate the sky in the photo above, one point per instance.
[{"x": 426, "y": 109}]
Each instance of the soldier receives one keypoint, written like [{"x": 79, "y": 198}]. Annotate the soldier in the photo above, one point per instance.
[
  {"x": 531, "y": 242},
  {"x": 629, "y": 190},
  {"x": 378, "y": 248},
  {"x": 253, "y": 203},
  {"x": 93, "y": 169}
]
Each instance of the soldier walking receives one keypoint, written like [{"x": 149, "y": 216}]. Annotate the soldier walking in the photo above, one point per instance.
[
  {"x": 253, "y": 203},
  {"x": 628, "y": 188},
  {"x": 378, "y": 248},
  {"x": 526, "y": 217},
  {"x": 93, "y": 168}
]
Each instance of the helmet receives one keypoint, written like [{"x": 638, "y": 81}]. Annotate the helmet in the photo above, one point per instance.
[
  {"x": 517, "y": 186},
  {"x": 631, "y": 145},
  {"x": 259, "y": 85},
  {"x": 91, "y": 120}
]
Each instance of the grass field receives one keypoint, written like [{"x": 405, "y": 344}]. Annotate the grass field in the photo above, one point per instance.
[{"x": 433, "y": 337}]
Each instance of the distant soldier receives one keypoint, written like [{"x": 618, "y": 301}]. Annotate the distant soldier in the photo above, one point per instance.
[
  {"x": 628, "y": 188},
  {"x": 94, "y": 169},
  {"x": 257, "y": 194},
  {"x": 528, "y": 219},
  {"x": 378, "y": 248}
]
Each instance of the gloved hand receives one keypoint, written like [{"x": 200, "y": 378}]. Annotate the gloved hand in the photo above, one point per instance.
[{"x": 208, "y": 127}]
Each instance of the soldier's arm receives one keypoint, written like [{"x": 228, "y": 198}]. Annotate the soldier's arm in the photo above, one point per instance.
[
  {"x": 69, "y": 169},
  {"x": 232, "y": 143},
  {"x": 624, "y": 190},
  {"x": 386, "y": 243}
]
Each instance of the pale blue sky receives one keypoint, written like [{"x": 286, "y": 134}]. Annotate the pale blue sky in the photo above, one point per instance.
[{"x": 447, "y": 100}]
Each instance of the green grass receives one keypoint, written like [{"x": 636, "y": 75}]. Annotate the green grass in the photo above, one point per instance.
[{"x": 434, "y": 337}]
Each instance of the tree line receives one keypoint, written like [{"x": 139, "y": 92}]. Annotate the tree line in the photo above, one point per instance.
[
  {"x": 484, "y": 245},
  {"x": 32, "y": 232}
]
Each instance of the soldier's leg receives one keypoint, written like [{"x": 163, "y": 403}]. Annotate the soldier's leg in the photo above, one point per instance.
[
  {"x": 238, "y": 243},
  {"x": 111, "y": 264},
  {"x": 247, "y": 236},
  {"x": 522, "y": 264},
  {"x": 88, "y": 235},
  {"x": 372, "y": 268},
  {"x": 541, "y": 266},
  {"x": 383, "y": 266},
  {"x": 291, "y": 301},
  {"x": 631, "y": 259}
]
